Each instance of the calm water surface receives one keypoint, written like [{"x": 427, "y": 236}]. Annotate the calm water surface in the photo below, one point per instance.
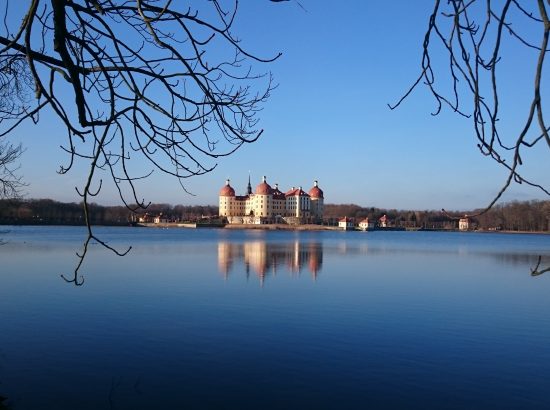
[{"x": 255, "y": 319}]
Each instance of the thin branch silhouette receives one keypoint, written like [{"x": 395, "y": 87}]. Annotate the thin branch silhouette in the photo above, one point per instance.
[
  {"x": 164, "y": 82},
  {"x": 472, "y": 34}
]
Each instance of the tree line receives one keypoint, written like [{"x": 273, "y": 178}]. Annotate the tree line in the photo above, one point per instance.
[
  {"x": 50, "y": 212},
  {"x": 511, "y": 216}
]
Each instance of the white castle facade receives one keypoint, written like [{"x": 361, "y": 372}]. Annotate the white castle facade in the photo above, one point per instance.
[{"x": 270, "y": 205}]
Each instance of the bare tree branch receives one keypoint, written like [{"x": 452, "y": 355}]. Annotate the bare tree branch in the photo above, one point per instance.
[
  {"x": 10, "y": 183},
  {"x": 473, "y": 33},
  {"x": 536, "y": 271},
  {"x": 150, "y": 78}
]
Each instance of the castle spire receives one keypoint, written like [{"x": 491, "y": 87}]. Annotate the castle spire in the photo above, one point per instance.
[{"x": 249, "y": 187}]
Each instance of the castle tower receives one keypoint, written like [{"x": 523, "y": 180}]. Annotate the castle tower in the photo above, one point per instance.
[
  {"x": 227, "y": 199},
  {"x": 262, "y": 198},
  {"x": 317, "y": 201}
]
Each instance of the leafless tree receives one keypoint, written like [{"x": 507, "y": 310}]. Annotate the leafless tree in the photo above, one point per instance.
[
  {"x": 150, "y": 78},
  {"x": 15, "y": 83},
  {"x": 473, "y": 35},
  {"x": 10, "y": 182}
]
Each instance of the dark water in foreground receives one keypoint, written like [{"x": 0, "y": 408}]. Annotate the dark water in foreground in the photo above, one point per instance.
[{"x": 253, "y": 320}]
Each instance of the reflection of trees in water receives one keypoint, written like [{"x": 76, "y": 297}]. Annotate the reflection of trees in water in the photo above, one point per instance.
[
  {"x": 266, "y": 258},
  {"x": 500, "y": 256},
  {"x": 532, "y": 260},
  {"x": 515, "y": 258}
]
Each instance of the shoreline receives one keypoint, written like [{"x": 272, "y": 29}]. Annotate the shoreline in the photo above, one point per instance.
[
  {"x": 279, "y": 227},
  {"x": 314, "y": 227},
  {"x": 265, "y": 227},
  {"x": 284, "y": 227}
]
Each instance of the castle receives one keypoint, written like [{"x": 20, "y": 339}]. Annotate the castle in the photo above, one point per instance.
[{"x": 270, "y": 205}]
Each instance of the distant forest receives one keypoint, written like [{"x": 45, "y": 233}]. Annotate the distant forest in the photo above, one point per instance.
[
  {"x": 511, "y": 216},
  {"x": 50, "y": 212}
]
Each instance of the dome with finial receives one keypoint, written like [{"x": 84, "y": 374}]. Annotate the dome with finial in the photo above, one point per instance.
[
  {"x": 263, "y": 188},
  {"x": 227, "y": 190},
  {"x": 316, "y": 192}
]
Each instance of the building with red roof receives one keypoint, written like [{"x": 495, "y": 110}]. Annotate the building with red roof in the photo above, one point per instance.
[
  {"x": 366, "y": 224},
  {"x": 271, "y": 205},
  {"x": 317, "y": 199},
  {"x": 346, "y": 224}
]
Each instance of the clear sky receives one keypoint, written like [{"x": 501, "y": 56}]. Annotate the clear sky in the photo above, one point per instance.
[{"x": 328, "y": 119}]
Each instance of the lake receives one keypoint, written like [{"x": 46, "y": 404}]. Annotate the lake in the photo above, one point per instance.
[{"x": 246, "y": 319}]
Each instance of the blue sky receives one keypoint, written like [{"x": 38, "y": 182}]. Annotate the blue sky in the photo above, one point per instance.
[{"x": 328, "y": 119}]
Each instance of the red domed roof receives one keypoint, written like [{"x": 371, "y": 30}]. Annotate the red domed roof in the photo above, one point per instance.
[
  {"x": 264, "y": 188},
  {"x": 316, "y": 192},
  {"x": 227, "y": 190}
]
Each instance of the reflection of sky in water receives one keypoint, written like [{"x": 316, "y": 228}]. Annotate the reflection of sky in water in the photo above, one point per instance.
[{"x": 393, "y": 318}]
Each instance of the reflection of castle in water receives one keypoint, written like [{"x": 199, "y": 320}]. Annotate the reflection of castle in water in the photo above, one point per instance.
[{"x": 266, "y": 258}]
